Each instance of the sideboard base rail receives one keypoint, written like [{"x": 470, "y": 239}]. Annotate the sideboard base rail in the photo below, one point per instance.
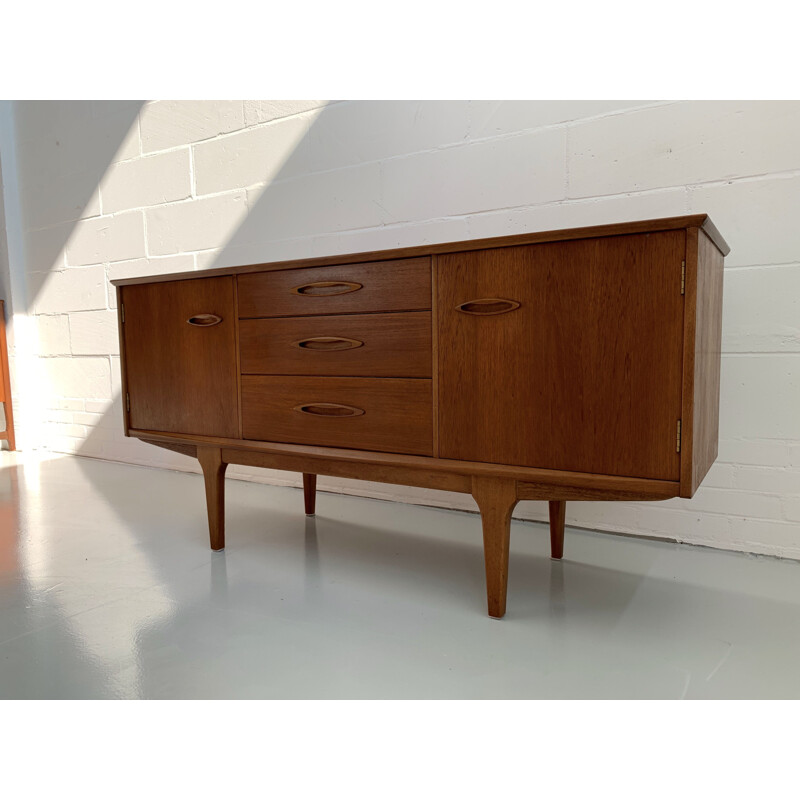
[{"x": 496, "y": 489}]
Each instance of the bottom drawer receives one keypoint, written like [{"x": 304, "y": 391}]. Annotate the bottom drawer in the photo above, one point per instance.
[{"x": 387, "y": 414}]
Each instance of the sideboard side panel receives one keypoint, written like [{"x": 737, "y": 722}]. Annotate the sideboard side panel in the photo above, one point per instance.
[
  {"x": 122, "y": 361},
  {"x": 180, "y": 377},
  {"x": 702, "y": 434}
]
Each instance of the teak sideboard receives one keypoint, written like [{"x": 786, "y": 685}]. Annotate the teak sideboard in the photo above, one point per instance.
[{"x": 574, "y": 364}]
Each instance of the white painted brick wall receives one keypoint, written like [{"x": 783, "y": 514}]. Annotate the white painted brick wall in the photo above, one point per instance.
[
  {"x": 69, "y": 197},
  {"x": 529, "y": 169},
  {"x": 53, "y": 334},
  {"x": 792, "y": 509},
  {"x": 338, "y": 200},
  {"x": 119, "y": 190},
  {"x": 489, "y": 118},
  {"x": 108, "y": 238},
  {"x": 80, "y": 289},
  {"x": 684, "y": 143},
  {"x": 762, "y": 396},
  {"x": 196, "y": 225},
  {"x": 249, "y": 158},
  {"x": 782, "y": 481},
  {"x": 648, "y": 205},
  {"x": 758, "y": 215},
  {"x": 256, "y": 111},
  {"x": 93, "y": 332},
  {"x": 146, "y": 181},
  {"x": 80, "y": 377},
  {"x": 758, "y": 452},
  {"x": 174, "y": 123},
  {"x": 385, "y": 130},
  {"x": 762, "y": 310},
  {"x": 44, "y": 248}
]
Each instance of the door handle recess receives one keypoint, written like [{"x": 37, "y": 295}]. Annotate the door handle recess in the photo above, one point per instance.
[
  {"x": 328, "y": 343},
  {"x": 327, "y": 288},
  {"x": 329, "y": 410},
  {"x": 487, "y": 306},
  {"x": 204, "y": 320}
]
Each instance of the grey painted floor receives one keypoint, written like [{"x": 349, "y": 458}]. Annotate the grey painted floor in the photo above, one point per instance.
[{"x": 108, "y": 590}]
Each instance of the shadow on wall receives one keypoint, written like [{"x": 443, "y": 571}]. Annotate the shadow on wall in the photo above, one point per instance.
[
  {"x": 62, "y": 151},
  {"x": 75, "y": 143},
  {"x": 65, "y": 149}
]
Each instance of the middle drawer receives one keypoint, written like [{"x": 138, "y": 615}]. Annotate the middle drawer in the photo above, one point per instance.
[{"x": 358, "y": 345}]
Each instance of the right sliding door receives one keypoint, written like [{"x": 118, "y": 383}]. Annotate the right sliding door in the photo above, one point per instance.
[{"x": 564, "y": 355}]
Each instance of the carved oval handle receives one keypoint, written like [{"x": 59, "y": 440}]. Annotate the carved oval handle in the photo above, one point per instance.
[
  {"x": 204, "y": 320},
  {"x": 326, "y": 288},
  {"x": 487, "y": 306},
  {"x": 329, "y": 410},
  {"x": 328, "y": 343}
]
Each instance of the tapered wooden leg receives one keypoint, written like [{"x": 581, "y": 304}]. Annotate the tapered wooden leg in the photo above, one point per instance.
[
  {"x": 214, "y": 473},
  {"x": 558, "y": 510},
  {"x": 310, "y": 492},
  {"x": 496, "y": 498}
]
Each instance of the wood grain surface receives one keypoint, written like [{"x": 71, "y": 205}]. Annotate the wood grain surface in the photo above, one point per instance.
[
  {"x": 214, "y": 476},
  {"x": 381, "y": 345},
  {"x": 557, "y": 510},
  {"x": 394, "y": 285},
  {"x": 496, "y": 498},
  {"x": 702, "y": 355},
  {"x": 585, "y": 375},
  {"x": 180, "y": 377},
  {"x": 530, "y": 482},
  {"x": 310, "y": 493},
  {"x": 397, "y": 413},
  {"x": 394, "y": 472}
]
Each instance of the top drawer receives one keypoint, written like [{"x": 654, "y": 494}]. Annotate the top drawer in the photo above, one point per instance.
[{"x": 399, "y": 285}]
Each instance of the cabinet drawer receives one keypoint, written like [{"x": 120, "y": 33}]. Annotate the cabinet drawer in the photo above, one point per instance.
[
  {"x": 386, "y": 414},
  {"x": 378, "y": 345},
  {"x": 400, "y": 285}
]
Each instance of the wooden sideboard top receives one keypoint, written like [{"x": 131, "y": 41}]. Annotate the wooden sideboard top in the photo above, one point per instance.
[{"x": 701, "y": 221}]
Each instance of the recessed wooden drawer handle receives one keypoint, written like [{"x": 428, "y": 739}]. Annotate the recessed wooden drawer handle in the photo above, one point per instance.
[
  {"x": 487, "y": 306},
  {"x": 204, "y": 320},
  {"x": 328, "y": 343},
  {"x": 327, "y": 288},
  {"x": 329, "y": 410}
]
